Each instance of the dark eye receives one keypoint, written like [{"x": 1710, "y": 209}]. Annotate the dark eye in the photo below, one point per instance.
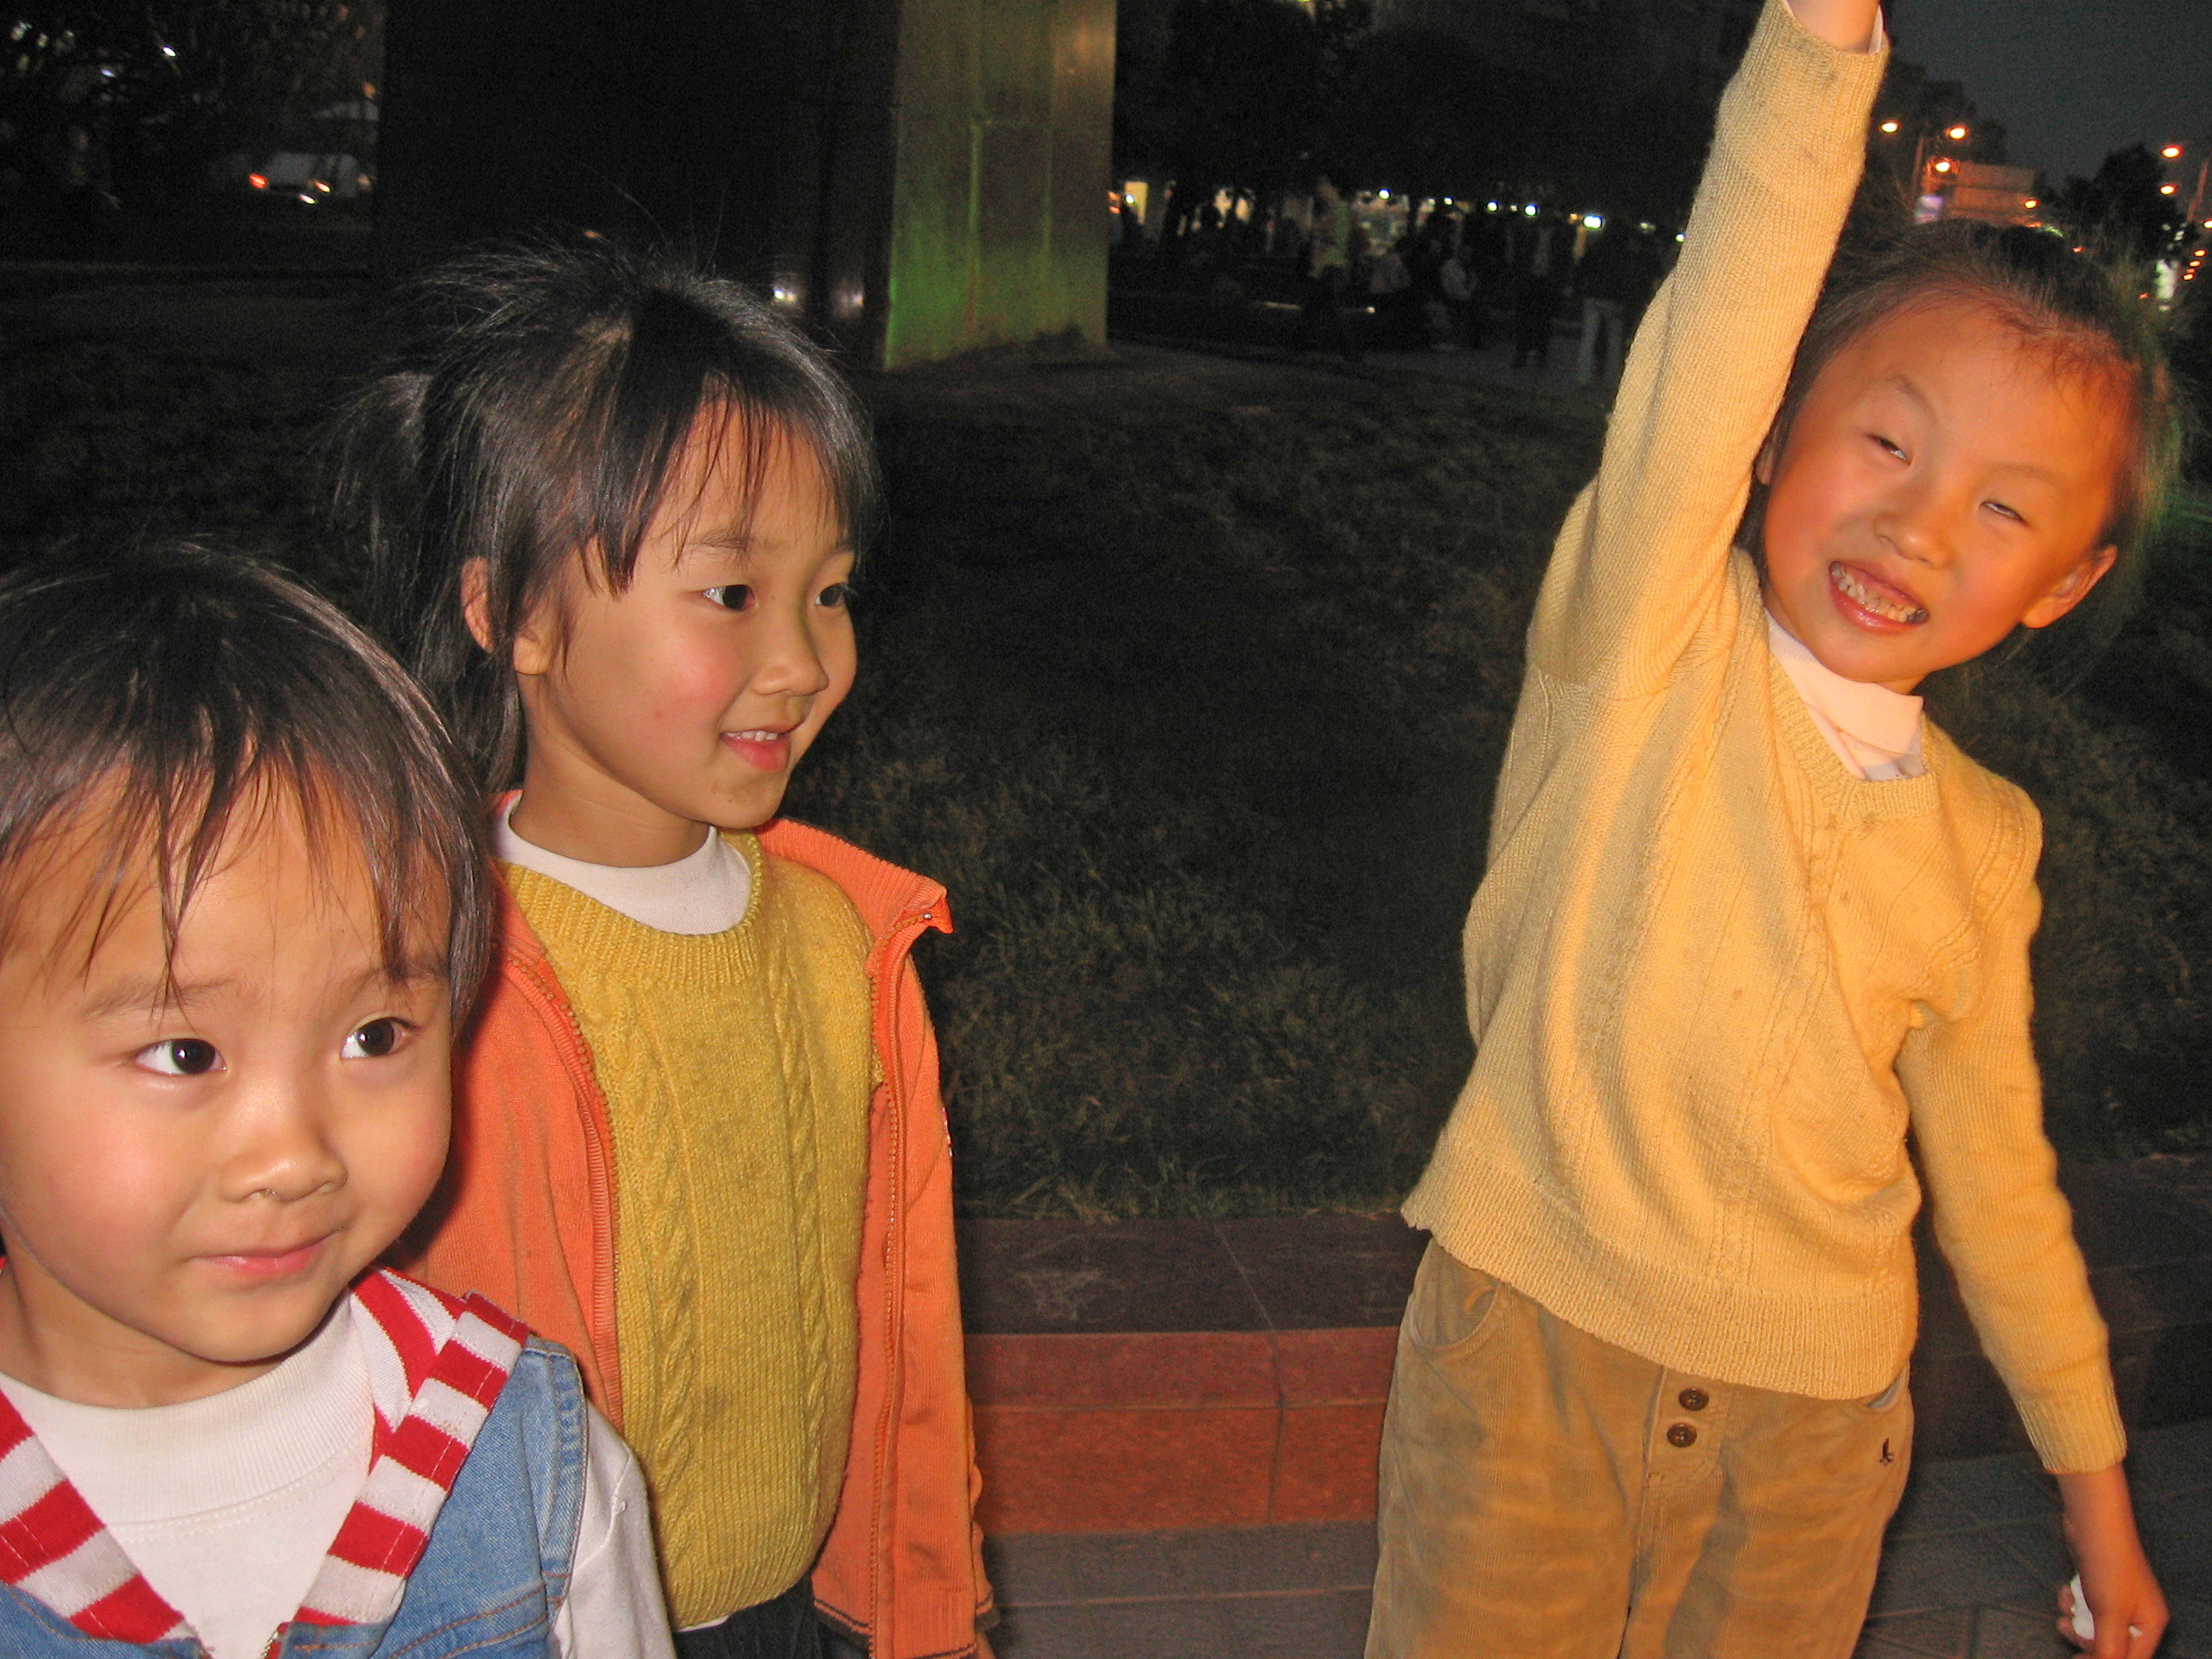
[
  {"x": 736, "y": 596},
  {"x": 2012, "y": 512},
  {"x": 1889, "y": 445},
  {"x": 374, "y": 1040},
  {"x": 180, "y": 1057},
  {"x": 836, "y": 596}
]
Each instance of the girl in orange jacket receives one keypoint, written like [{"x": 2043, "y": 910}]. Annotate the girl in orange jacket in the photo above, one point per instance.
[{"x": 612, "y": 507}]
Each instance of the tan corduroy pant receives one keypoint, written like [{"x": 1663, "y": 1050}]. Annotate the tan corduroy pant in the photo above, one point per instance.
[{"x": 1545, "y": 1495}]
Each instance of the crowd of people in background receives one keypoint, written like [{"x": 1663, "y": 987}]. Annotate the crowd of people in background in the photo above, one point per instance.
[{"x": 1446, "y": 279}]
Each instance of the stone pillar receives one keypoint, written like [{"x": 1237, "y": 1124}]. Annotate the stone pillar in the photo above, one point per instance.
[
  {"x": 1000, "y": 225},
  {"x": 916, "y": 178}
]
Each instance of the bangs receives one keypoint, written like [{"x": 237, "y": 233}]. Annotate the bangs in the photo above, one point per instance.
[
  {"x": 670, "y": 383},
  {"x": 154, "y": 707}
]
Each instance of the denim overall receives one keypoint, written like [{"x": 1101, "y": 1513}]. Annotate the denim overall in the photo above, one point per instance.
[{"x": 492, "y": 1577}]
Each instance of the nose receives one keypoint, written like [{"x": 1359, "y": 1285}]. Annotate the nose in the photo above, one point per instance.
[
  {"x": 791, "y": 663},
  {"x": 1916, "y": 521},
  {"x": 280, "y": 1146}
]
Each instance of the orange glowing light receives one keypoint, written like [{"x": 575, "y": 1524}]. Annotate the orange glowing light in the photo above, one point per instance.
[{"x": 257, "y": 180}]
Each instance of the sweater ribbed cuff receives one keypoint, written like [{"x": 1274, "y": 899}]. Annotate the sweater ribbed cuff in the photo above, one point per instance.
[{"x": 2076, "y": 1434}]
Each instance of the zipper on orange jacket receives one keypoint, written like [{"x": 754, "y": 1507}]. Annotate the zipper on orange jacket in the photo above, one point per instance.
[
  {"x": 598, "y": 1181},
  {"x": 898, "y": 945}
]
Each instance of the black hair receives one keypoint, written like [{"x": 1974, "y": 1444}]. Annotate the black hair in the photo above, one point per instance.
[
  {"x": 2081, "y": 312},
  {"x": 148, "y": 696},
  {"x": 535, "y": 413}
]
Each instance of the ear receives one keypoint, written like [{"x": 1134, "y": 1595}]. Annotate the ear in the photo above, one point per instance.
[
  {"x": 2071, "y": 588},
  {"x": 1763, "y": 468},
  {"x": 476, "y": 602},
  {"x": 533, "y": 650}
]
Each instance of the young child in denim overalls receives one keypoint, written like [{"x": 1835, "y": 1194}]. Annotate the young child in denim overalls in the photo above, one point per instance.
[{"x": 243, "y": 906}]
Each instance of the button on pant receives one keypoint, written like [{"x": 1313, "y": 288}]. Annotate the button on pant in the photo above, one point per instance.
[{"x": 1545, "y": 1495}]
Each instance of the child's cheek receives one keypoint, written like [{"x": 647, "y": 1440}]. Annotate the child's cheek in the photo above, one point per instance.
[{"x": 695, "y": 682}]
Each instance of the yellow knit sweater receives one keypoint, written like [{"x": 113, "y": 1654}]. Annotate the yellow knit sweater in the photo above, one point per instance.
[
  {"x": 1714, "y": 979},
  {"x": 737, "y": 1068}
]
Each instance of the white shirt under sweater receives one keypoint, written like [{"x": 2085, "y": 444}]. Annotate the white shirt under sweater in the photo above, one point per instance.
[
  {"x": 703, "y": 892},
  {"x": 228, "y": 1504},
  {"x": 1875, "y": 732}
]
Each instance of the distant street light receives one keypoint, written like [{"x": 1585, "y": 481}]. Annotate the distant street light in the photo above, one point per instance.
[
  {"x": 1889, "y": 126},
  {"x": 1958, "y": 133},
  {"x": 2171, "y": 152}
]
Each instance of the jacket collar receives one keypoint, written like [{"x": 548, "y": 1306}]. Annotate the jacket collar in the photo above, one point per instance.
[
  {"x": 887, "y": 897},
  {"x": 437, "y": 1365}
]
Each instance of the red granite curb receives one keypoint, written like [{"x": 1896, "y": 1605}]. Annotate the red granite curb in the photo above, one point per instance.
[
  {"x": 1141, "y": 1375},
  {"x": 1127, "y": 1431}
]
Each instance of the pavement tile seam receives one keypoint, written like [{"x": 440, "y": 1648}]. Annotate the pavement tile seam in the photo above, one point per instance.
[
  {"x": 1244, "y": 1277},
  {"x": 1301, "y": 1593},
  {"x": 1945, "y": 1633}
]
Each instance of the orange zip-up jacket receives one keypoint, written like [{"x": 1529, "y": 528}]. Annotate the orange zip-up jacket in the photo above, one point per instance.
[{"x": 526, "y": 1216}]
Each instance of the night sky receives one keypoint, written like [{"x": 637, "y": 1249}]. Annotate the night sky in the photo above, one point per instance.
[{"x": 2072, "y": 79}]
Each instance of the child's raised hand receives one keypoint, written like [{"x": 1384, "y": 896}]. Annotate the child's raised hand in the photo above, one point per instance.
[
  {"x": 2127, "y": 1608},
  {"x": 1849, "y": 24}
]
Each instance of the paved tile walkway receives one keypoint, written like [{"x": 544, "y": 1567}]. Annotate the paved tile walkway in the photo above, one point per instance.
[{"x": 1974, "y": 1561}]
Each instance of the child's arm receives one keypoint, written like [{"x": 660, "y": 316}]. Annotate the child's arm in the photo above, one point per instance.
[
  {"x": 2006, "y": 1229},
  {"x": 2116, "y": 1581},
  {"x": 614, "y": 1605},
  {"x": 1643, "y": 556},
  {"x": 1847, "y": 24}
]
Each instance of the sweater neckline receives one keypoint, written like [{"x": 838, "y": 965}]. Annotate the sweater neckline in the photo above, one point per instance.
[
  {"x": 1866, "y": 798},
  {"x": 597, "y": 926}
]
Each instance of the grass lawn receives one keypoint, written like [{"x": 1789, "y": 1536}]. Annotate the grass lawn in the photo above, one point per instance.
[{"x": 1190, "y": 679}]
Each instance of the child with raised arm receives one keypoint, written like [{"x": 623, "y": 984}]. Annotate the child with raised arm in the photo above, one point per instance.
[
  {"x": 617, "y": 505},
  {"x": 243, "y": 905},
  {"x": 1749, "y": 921}
]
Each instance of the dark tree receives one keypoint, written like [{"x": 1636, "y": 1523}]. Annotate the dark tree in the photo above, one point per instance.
[
  {"x": 1418, "y": 111},
  {"x": 161, "y": 88},
  {"x": 1226, "y": 94},
  {"x": 2122, "y": 211}
]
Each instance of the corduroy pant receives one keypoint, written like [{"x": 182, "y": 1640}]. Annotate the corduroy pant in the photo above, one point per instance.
[{"x": 1549, "y": 1495}]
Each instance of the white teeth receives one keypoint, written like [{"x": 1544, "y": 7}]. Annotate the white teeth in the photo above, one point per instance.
[{"x": 1860, "y": 594}]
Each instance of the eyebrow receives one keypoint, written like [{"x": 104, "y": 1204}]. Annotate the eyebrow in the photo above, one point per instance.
[
  {"x": 736, "y": 543},
  {"x": 149, "y": 993},
  {"x": 1903, "y": 383},
  {"x": 729, "y": 539},
  {"x": 146, "y": 993}
]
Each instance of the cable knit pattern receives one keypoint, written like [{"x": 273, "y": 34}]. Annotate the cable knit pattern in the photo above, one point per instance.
[
  {"x": 1714, "y": 978},
  {"x": 737, "y": 1067}
]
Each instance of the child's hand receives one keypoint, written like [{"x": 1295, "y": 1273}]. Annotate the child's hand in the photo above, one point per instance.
[
  {"x": 2123, "y": 1594},
  {"x": 1849, "y": 24}
]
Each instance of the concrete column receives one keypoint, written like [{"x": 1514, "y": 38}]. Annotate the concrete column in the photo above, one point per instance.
[{"x": 917, "y": 177}]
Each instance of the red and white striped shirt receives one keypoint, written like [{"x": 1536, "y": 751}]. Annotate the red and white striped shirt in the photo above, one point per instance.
[{"x": 436, "y": 1365}]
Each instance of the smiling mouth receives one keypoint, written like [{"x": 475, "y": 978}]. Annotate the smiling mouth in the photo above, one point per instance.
[
  {"x": 262, "y": 1266},
  {"x": 764, "y": 747},
  {"x": 1868, "y": 598}
]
